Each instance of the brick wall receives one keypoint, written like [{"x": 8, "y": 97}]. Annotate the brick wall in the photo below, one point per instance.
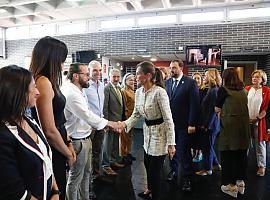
[{"x": 232, "y": 37}]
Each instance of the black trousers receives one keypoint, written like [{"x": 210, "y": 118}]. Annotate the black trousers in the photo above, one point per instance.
[
  {"x": 97, "y": 137},
  {"x": 154, "y": 166},
  {"x": 234, "y": 166}
]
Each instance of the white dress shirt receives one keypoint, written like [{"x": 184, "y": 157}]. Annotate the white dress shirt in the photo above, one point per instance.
[
  {"x": 255, "y": 99},
  {"x": 154, "y": 104},
  {"x": 80, "y": 119}
]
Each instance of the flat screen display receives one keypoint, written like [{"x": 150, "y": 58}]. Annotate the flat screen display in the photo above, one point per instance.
[
  {"x": 203, "y": 55},
  {"x": 85, "y": 56}
]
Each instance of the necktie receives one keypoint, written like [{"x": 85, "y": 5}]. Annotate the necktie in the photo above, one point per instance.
[
  {"x": 174, "y": 87},
  {"x": 119, "y": 95}
]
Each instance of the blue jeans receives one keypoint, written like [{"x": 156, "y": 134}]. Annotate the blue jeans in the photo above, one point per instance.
[{"x": 209, "y": 153}]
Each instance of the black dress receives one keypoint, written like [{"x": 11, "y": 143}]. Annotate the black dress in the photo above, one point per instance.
[{"x": 59, "y": 160}]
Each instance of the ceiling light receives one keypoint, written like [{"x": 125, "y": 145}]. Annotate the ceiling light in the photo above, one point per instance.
[
  {"x": 2, "y": 10},
  {"x": 153, "y": 59},
  {"x": 146, "y": 56},
  {"x": 74, "y": 0},
  {"x": 132, "y": 58}
]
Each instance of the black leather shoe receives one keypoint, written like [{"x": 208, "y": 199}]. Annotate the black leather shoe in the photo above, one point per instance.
[
  {"x": 186, "y": 186},
  {"x": 171, "y": 176},
  {"x": 145, "y": 195}
]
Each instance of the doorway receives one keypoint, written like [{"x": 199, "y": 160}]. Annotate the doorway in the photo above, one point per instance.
[{"x": 244, "y": 69}]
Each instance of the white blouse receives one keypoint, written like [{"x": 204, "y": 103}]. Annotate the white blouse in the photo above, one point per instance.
[
  {"x": 153, "y": 104},
  {"x": 254, "y": 102},
  {"x": 48, "y": 171}
]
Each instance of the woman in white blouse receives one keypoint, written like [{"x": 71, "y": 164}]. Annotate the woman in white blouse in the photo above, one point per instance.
[
  {"x": 152, "y": 103},
  {"x": 258, "y": 100}
]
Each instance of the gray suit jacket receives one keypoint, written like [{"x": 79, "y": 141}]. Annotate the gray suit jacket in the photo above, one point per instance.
[{"x": 113, "y": 110}]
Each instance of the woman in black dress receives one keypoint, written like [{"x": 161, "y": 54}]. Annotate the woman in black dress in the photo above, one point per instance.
[{"x": 46, "y": 65}]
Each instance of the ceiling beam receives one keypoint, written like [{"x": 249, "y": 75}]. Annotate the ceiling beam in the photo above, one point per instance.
[
  {"x": 137, "y": 5},
  {"x": 166, "y": 4},
  {"x": 27, "y": 8},
  {"x": 47, "y": 5},
  {"x": 14, "y": 3}
]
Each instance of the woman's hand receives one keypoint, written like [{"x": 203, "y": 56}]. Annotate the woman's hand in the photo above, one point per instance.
[
  {"x": 171, "y": 151},
  {"x": 71, "y": 159},
  {"x": 253, "y": 120},
  {"x": 54, "y": 197}
]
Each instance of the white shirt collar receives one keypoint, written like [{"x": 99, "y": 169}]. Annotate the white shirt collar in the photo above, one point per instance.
[{"x": 179, "y": 78}]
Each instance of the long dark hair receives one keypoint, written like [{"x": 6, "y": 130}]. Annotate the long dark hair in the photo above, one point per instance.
[
  {"x": 149, "y": 67},
  {"x": 231, "y": 79},
  {"x": 47, "y": 58},
  {"x": 14, "y": 87}
]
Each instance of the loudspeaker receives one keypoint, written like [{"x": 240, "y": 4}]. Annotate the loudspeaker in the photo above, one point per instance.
[{"x": 85, "y": 56}]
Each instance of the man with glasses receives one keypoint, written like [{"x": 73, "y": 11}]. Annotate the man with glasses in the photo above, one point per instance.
[{"x": 80, "y": 122}]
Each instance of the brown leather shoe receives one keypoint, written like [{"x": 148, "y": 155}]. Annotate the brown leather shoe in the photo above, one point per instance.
[
  {"x": 117, "y": 165},
  {"x": 261, "y": 171},
  {"x": 108, "y": 171}
]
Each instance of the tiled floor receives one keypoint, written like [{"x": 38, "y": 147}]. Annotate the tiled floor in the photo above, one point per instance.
[{"x": 132, "y": 180}]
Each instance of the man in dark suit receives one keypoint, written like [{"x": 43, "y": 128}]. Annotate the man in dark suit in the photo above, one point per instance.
[
  {"x": 113, "y": 110},
  {"x": 184, "y": 102}
]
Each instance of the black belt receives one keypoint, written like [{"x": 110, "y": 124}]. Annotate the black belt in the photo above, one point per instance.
[
  {"x": 86, "y": 138},
  {"x": 154, "y": 121}
]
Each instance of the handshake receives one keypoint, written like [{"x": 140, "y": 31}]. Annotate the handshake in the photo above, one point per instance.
[{"x": 118, "y": 127}]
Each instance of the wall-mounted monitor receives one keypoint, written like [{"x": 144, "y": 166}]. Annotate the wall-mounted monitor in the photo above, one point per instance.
[
  {"x": 85, "y": 56},
  {"x": 203, "y": 55}
]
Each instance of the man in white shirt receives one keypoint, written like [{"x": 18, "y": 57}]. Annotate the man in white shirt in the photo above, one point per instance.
[
  {"x": 95, "y": 96},
  {"x": 80, "y": 120}
]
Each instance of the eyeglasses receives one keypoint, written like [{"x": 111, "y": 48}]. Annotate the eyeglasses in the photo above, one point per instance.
[{"x": 86, "y": 74}]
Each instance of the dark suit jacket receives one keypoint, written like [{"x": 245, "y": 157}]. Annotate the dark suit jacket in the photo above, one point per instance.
[
  {"x": 184, "y": 103},
  {"x": 210, "y": 118},
  {"x": 21, "y": 163},
  {"x": 113, "y": 110}
]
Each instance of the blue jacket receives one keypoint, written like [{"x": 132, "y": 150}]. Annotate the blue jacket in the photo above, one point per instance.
[
  {"x": 185, "y": 102},
  {"x": 21, "y": 163},
  {"x": 210, "y": 118}
]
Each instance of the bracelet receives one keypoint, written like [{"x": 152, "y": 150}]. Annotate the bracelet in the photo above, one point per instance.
[{"x": 53, "y": 192}]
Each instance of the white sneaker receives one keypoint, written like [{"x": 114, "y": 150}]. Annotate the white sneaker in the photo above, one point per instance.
[
  {"x": 231, "y": 190},
  {"x": 204, "y": 172},
  {"x": 241, "y": 186}
]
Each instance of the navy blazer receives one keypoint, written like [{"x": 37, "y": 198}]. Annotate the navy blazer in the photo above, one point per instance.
[
  {"x": 21, "y": 163},
  {"x": 185, "y": 102},
  {"x": 210, "y": 118}
]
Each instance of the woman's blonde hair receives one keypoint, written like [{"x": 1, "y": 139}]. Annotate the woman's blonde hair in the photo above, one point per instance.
[
  {"x": 213, "y": 77},
  {"x": 262, "y": 74},
  {"x": 202, "y": 86}
]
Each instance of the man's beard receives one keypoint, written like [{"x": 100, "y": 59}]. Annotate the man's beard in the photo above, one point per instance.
[{"x": 83, "y": 84}]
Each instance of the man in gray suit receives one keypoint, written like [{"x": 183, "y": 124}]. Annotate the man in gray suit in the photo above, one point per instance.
[{"x": 113, "y": 110}]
